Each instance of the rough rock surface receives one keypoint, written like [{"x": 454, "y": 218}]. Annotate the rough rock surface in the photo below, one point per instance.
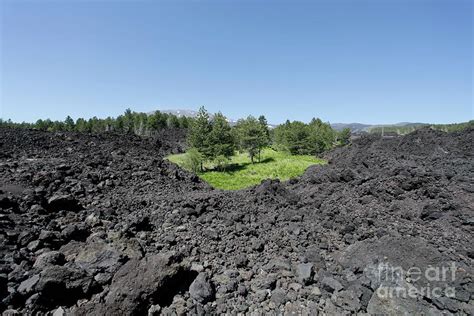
[
  {"x": 201, "y": 290},
  {"x": 101, "y": 224}
]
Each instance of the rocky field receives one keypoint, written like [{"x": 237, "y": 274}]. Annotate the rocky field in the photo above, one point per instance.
[{"x": 102, "y": 225}]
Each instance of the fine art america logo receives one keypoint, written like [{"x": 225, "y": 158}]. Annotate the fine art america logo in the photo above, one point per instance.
[{"x": 430, "y": 282}]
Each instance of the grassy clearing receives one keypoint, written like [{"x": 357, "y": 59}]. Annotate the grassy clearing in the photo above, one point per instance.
[{"x": 241, "y": 173}]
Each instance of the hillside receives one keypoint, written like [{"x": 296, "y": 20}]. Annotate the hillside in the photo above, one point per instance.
[{"x": 102, "y": 225}]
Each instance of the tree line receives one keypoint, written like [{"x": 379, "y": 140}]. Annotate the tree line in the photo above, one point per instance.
[
  {"x": 210, "y": 138},
  {"x": 128, "y": 123},
  {"x": 309, "y": 139}
]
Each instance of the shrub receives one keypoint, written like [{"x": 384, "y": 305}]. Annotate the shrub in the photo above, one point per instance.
[{"x": 193, "y": 160}]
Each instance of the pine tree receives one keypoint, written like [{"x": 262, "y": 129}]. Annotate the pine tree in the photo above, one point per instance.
[
  {"x": 221, "y": 139},
  {"x": 128, "y": 121},
  {"x": 266, "y": 139},
  {"x": 344, "y": 136},
  {"x": 198, "y": 134},
  {"x": 69, "y": 123},
  {"x": 81, "y": 125},
  {"x": 308, "y": 139}
]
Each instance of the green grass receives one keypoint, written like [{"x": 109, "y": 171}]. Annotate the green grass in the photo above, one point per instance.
[{"x": 241, "y": 173}]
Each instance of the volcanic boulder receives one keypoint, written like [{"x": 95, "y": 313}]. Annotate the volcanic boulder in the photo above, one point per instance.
[
  {"x": 65, "y": 202},
  {"x": 139, "y": 284}
]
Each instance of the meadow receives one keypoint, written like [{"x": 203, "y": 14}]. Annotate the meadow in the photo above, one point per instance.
[{"x": 241, "y": 173}]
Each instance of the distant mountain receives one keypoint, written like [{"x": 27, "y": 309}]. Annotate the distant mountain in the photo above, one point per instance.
[
  {"x": 180, "y": 112},
  {"x": 354, "y": 127},
  {"x": 408, "y": 124},
  {"x": 192, "y": 113},
  {"x": 189, "y": 113}
]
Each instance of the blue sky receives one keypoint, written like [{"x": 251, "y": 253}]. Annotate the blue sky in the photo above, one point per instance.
[{"x": 373, "y": 61}]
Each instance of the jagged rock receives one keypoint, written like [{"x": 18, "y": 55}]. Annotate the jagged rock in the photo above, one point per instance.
[
  {"x": 331, "y": 285},
  {"x": 241, "y": 261},
  {"x": 267, "y": 282},
  {"x": 378, "y": 204},
  {"x": 58, "y": 285},
  {"x": 279, "y": 297},
  {"x": 154, "y": 310},
  {"x": 59, "y": 312},
  {"x": 304, "y": 271},
  {"x": 6, "y": 202},
  {"x": 201, "y": 289},
  {"x": 63, "y": 202},
  {"x": 37, "y": 209},
  {"x": 3, "y": 286},
  {"x": 49, "y": 258},
  {"x": 34, "y": 245},
  {"x": 398, "y": 305},
  {"x": 47, "y": 236},
  {"x": 153, "y": 280},
  {"x": 431, "y": 212},
  {"x": 27, "y": 286},
  {"x": 313, "y": 254},
  {"x": 77, "y": 232},
  {"x": 25, "y": 238},
  {"x": 242, "y": 290},
  {"x": 348, "y": 300},
  {"x": 277, "y": 264},
  {"x": 316, "y": 291},
  {"x": 98, "y": 257},
  {"x": 258, "y": 245}
]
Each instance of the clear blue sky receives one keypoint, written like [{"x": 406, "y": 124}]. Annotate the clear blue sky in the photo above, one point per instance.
[{"x": 383, "y": 61}]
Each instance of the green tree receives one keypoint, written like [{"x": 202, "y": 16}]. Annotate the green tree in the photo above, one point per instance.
[
  {"x": 40, "y": 125},
  {"x": 173, "y": 121},
  {"x": 95, "y": 125},
  {"x": 81, "y": 125},
  {"x": 221, "y": 139},
  {"x": 297, "y": 138},
  {"x": 157, "y": 121},
  {"x": 127, "y": 120},
  {"x": 322, "y": 136},
  {"x": 69, "y": 123},
  {"x": 183, "y": 122},
  {"x": 251, "y": 136},
  {"x": 344, "y": 136},
  {"x": 109, "y": 124},
  {"x": 263, "y": 122},
  {"x": 280, "y": 135},
  {"x": 198, "y": 134},
  {"x": 47, "y": 125},
  {"x": 140, "y": 121},
  {"x": 304, "y": 139},
  {"x": 56, "y": 126}
]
